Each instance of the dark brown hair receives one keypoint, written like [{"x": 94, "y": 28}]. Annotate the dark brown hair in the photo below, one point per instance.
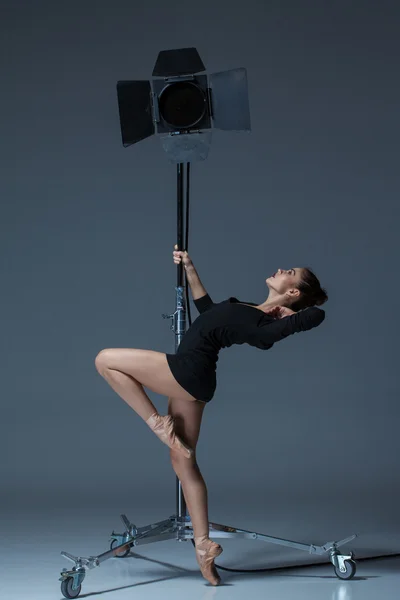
[{"x": 311, "y": 292}]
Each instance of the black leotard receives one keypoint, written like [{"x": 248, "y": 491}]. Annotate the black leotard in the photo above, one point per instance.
[{"x": 221, "y": 325}]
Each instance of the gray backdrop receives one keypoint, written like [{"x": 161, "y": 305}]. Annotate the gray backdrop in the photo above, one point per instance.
[{"x": 87, "y": 233}]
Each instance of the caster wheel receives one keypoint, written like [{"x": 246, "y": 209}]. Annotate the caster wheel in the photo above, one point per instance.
[
  {"x": 66, "y": 588},
  {"x": 349, "y": 572},
  {"x": 122, "y": 553}
]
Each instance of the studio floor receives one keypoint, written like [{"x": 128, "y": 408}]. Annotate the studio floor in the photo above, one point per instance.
[{"x": 32, "y": 563}]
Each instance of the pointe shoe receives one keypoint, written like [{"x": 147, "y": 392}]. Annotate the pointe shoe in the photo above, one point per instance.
[
  {"x": 163, "y": 427},
  {"x": 206, "y": 552}
]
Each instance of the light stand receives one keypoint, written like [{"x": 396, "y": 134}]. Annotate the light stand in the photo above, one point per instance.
[{"x": 185, "y": 144}]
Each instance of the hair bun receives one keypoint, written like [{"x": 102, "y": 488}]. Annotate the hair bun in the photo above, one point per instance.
[{"x": 320, "y": 297}]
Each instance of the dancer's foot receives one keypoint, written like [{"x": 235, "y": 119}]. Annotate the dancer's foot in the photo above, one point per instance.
[
  {"x": 206, "y": 552},
  {"x": 163, "y": 427}
]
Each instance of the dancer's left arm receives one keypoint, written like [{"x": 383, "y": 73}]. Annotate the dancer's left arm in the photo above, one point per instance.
[{"x": 274, "y": 331}]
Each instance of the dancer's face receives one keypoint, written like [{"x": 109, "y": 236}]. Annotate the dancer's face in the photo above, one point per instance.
[{"x": 284, "y": 280}]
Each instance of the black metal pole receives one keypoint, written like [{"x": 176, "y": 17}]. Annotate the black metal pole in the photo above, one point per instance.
[{"x": 181, "y": 511}]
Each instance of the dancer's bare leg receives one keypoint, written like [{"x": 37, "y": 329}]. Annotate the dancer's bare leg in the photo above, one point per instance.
[
  {"x": 128, "y": 371},
  {"x": 187, "y": 417}
]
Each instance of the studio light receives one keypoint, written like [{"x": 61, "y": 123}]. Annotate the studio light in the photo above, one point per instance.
[{"x": 182, "y": 106}]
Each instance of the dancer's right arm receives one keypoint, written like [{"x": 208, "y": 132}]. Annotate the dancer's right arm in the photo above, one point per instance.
[
  {"x": 199, "y": 293},
  {"x": 197, "y": 288}
]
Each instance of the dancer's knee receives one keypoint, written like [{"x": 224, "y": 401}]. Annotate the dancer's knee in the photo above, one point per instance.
[
  {"x": 101, "y": 361},
  {"x": 183, "y": 467}
]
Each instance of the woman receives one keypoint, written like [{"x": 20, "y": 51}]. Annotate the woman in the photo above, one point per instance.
[{"x": 188, "y": 378}]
